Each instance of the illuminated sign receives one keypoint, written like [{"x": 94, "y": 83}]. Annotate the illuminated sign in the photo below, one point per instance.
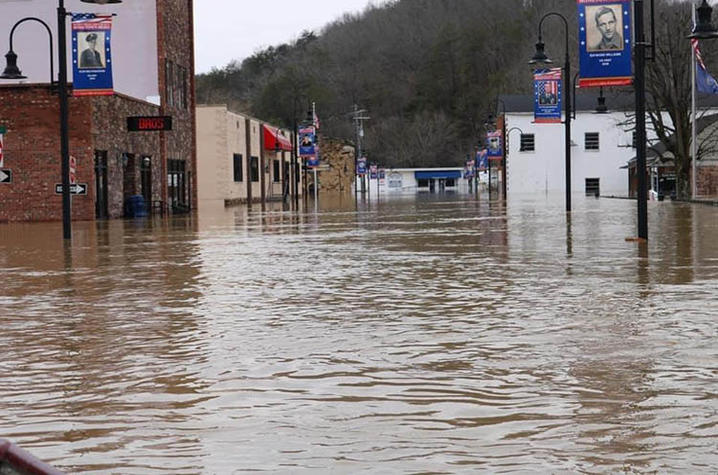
[{"x": 149, "y": 124}]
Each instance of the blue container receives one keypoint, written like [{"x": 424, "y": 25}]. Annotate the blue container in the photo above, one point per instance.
[{"x": 135, "y": 207}]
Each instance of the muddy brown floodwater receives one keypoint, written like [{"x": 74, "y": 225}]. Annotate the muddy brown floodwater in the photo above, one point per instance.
[{"x": 423, "y": 333}]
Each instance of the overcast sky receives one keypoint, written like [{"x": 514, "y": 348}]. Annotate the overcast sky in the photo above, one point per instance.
[{"x": 235, "y": 29}]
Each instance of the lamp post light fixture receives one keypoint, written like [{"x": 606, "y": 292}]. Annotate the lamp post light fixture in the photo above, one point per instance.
[
  {"x": 540, "y": 58},
  {"x": 13, "y": 72},
  {"x": 704, "y": 29}
]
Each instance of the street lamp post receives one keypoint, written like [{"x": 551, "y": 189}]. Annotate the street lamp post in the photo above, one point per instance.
[
  {"x": 541, "y": 58},
  {"x": 13, "y": 72}
]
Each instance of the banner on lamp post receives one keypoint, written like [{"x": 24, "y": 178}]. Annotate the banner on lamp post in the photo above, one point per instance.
[
  {"x": 604, "y": 38},
  {"x": 494, "y": 147},
  {"x": 469, "y": 168},
  {"x": 91, "y": 55},
  {"x": 361, "y": 166},
  {"x": 548, "y": 96},
  {"x": 308, "y": 146},
  {"x": 482, "y": 160}
]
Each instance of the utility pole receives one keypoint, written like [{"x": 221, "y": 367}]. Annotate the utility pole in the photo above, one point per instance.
[{"x": 358, "y": 117}]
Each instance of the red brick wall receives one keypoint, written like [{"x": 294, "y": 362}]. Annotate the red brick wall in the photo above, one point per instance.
[
  {"x": 175, "y": 37},
  {"x": 109, "y": 133},
  {"x": 30, "y": 114},
  {"x": 708, "y": 181}
]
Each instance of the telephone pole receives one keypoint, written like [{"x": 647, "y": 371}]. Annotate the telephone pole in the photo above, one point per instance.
[{"x": 358, "y": 117}]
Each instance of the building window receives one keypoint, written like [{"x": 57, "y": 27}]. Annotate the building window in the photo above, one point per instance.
[
  {"x": 169, "y": 78},
  {"x": 275, "y": 171},
  {"x": 593, "y": 186},
  {"x": 591, "y": 141},
  {"x": 238, "y": 172},
  {"x": 527, "y": 143},
  {"x": 423, "y": 183},
  {"x": 254, "y": 168}
]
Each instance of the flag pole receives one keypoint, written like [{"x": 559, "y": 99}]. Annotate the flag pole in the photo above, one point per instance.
[{"x": 694, "y": 133}]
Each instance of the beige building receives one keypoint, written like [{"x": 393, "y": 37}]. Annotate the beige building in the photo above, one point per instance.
[{"x": 241, "y": 159}]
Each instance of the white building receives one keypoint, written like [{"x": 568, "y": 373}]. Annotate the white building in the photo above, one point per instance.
[
  {"x": 601, "y": 145},
  {"x": 412, "y": 180}
]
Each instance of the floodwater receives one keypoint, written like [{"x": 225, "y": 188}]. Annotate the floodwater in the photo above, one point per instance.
[{"x": 421, "y": 334}]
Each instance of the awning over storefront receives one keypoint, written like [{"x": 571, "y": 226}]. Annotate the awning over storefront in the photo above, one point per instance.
[
  {"x": 437, "y": 174},
  {"x": 272, "y": 137}
]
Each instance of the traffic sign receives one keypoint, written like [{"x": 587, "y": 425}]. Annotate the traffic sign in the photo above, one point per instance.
[
  {"x": 5, "y": 176},
  {"x": 75, "y": 188}
]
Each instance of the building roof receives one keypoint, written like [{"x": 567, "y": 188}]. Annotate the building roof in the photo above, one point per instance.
[{"x": 659, "y": 152}]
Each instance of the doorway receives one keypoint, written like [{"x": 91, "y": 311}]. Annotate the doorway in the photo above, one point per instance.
[{"x": 101, "y": 208}]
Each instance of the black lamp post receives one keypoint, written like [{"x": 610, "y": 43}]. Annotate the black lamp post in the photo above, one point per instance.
[
  {"x": 541, "y": 58},
  {"x": 13, "y": 72}
]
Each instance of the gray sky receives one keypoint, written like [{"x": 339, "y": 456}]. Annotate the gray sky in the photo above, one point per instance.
[{"x": 235, "y": 29}]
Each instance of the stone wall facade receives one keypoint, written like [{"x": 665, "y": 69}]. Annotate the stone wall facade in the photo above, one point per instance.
[{"x": 338, "y": 158}]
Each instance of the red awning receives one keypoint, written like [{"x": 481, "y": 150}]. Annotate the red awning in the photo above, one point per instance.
[{"x": 272, "y": 136}]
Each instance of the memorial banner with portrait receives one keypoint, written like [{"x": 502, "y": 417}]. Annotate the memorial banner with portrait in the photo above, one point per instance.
[
  {"x": 547, "y": 96},
  {"x": 482, "y": 160},
  {"x": 91, "y": 55},
  {"x": 493, "y": 145},
  {"x": 469, "y": 168},
  {"x": 308, "y": 146},
  {"x": 361, "y": 166},
  {"x": 604, "y": 36}
]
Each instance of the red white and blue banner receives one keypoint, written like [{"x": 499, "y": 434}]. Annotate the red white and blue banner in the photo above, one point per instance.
[
  {"x": 705, "y": 83},
  {"x": 91, "y": 55},
  {"x": 308, "y": 146},
  {"x": 604, "y": 39},
  {"x": 493, "y": 145},
  {"x": 361, "y": 166},
  {"x": 469, "y": 169},
  {"x": 482, "y": 160},
  {"x": 547, "y": 96}
]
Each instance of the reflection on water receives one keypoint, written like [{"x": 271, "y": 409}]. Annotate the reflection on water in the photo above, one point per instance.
[{"x": 428, "y": 333}]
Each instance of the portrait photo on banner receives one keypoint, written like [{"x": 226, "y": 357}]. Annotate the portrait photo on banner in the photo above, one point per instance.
[
  {"x": 91, "y": 45},
  {"x": 604, "y": 27}
]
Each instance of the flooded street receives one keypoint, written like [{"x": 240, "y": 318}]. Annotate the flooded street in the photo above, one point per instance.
[{"x": 427, "y": 333}]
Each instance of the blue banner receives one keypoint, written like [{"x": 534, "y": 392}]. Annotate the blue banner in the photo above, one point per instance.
[
  {"x": 361, "y": 166},
  {"x": 469, "y": 169},
  {"x": 548, "y": 96},
  {"x": 373, "y": 172},
  {"x": 604, "y": 37},
  {"x": 494, "y": 146},
  {"x": 91, "y": 55},
  {"x": 482, "y": 160},
  {"x": 308, "y": 149}
]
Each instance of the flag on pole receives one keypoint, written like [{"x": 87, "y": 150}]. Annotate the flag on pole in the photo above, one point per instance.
[{"x": 705, "y": 83}]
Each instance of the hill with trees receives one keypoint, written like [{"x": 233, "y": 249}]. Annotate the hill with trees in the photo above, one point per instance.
[{"x": 427, "y": 71}]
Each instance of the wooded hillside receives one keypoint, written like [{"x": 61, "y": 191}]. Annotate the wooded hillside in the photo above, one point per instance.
[{"x": 427, "y": 71}]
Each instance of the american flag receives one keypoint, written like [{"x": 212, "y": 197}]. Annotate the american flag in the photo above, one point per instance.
[
  {"x": 705, "y": 83},
  {"x": 699, "y": 56}
]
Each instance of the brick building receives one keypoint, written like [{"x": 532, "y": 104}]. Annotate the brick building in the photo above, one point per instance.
[{"x": 153, "y": 69}]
